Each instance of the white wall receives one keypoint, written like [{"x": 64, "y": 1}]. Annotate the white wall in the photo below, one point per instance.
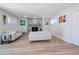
[
  {"x": 44, "y": 26},
  {"x": 12, "y": 27},
  {"x": 7, "y": 27},
  {"x": 75, "y": 27},
  {"x": 68, "y": 31}
]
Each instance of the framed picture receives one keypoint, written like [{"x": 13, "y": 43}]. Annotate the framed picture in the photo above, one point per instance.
[
  {"x": 62, "y": 19},
  {"x": 22, "y": 22}
]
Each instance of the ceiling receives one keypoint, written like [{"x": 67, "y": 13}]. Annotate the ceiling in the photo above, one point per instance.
[{"x": 35, "y": 9}]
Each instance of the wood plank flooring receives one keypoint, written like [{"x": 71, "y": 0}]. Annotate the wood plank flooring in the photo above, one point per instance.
[{"x": 23, "y": 46}]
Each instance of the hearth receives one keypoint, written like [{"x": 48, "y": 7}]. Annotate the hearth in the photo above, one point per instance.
[{"x": 34, "y": 29}]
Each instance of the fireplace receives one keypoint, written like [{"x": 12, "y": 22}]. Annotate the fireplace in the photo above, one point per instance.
[{"x": 34, "y": 29}]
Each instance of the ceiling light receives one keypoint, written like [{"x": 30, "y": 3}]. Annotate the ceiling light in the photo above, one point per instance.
[{"x": 25, "y": 16}]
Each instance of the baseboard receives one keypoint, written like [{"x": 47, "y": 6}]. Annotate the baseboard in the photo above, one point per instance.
[{"x": 58, "y": 36}]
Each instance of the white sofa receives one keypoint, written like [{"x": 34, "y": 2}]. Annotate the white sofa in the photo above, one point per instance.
[
  {"x": 41, "y": 35},
  {"x": 13, "y": 35}
]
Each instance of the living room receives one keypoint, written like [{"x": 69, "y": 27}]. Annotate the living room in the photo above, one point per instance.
[{"x": 37, "y": 28}]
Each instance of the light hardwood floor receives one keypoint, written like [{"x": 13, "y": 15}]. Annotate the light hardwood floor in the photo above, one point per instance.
[{"x": 55, "y": 46}]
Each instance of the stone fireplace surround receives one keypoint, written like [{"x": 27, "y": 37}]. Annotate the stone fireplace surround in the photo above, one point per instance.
[
  {"x": 38, "y": 28},
  {"x": 37, "y": 25}
]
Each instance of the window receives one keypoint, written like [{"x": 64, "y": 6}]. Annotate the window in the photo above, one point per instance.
[{"x": 10, "y": 20}]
